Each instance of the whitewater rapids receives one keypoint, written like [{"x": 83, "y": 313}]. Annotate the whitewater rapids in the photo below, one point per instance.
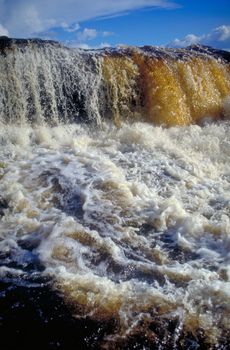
[{"x": 130, "y": 223}]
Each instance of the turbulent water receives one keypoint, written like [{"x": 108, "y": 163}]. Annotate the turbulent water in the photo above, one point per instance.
[{"x": 131, "y": 224}]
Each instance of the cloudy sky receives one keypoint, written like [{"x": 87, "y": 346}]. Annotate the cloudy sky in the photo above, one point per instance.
[{"x": 98, "y": 23}]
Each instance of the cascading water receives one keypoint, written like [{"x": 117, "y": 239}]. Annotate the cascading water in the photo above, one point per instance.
[
  {"x": 48, "y": 83},
  {"x": 129, "y": 224}
]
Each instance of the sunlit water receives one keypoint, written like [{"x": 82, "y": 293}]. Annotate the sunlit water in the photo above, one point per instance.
[{"x": 130, "y": 224}]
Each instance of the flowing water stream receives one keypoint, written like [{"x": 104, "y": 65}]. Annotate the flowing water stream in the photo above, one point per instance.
[{"x": 113, "y": 196}]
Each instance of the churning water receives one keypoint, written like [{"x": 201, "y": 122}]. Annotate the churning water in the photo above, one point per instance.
[{"x": 129, "y": 223}]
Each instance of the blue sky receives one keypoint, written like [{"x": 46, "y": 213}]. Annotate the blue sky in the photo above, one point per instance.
[{"x": 98, "y": 23}]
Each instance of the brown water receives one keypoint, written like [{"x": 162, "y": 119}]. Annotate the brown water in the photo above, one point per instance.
[{"x": 126, "y": 223}]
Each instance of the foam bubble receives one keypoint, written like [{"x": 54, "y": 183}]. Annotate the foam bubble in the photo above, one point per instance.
[{"x": 130, "y": 221}]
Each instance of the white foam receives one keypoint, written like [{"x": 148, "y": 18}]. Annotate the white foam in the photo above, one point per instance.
[{"x": 126, "y": 220}]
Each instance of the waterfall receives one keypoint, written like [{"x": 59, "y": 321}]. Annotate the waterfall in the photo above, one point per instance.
[
  {"x": 43, "y": 82},
  {"x": 114, "y": 196}
]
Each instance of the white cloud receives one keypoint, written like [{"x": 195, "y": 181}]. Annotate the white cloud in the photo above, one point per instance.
[
  {"x": 3, "y": 31},
  {"x": 24, "y": 18},
  {"x": 189, "y": 39},
  {"x": 218, "y": 37},
  {"x": 106, "y": 33},
  {"x": 102, "y": 45},
  {"x": 70, "y": 28},
  {"x": 90, "y": 34},
  {"x": 87, "y": 34}
]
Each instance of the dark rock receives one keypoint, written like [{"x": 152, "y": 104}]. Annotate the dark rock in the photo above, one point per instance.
[{"x": 208, "y": 50}]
